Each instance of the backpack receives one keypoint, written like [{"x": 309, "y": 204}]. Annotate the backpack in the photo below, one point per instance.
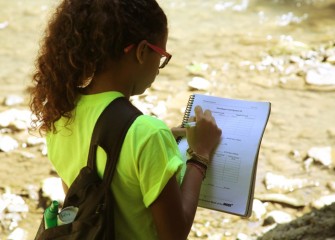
[{"x": 89, "y": 193}]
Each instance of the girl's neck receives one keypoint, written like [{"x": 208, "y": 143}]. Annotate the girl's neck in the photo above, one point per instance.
[{"x": 112, "y": 78}]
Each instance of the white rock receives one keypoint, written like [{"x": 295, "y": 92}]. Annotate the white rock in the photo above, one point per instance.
[
  {"x": 33, "y": 141},
  {"x": 223, "y": 6},
  {"x": 199, "y": 83},
  {"x": 151, "y": 99},
  {"x": 13, "y": 100},
  {"x": 323, "y": 201},
  {"x": 282, "y": 184},
  {"x": 33, "y": 191},
  {"x": 289, "y": 18},
  {"x": 288, "y": 46},
  {"x": 3, "y": 25},
  {"x": 12, "y": 203},
  {"x": 279, "y": 216},
  {"x": 11, "y": 117},
  {"x": 307, "y": 163},
  {"x": 142, "y": 106},
  {"x": 241, "y": 7},
  {"x": 331, "y": 185},
  {"x": 160, "y": 109},
  {"x": 15, "y": 203},
  {"x": 242, "y": 236},
  {"x": 52, "y": 187},
  {"x": 14, "y": 218},
  {"x": 321, "y": 75},
  {"x": 19, "y": 125},
  {"x": 44, "y": 150},
  {"x": 216, "y": 236},
  {"x": 3, "y": 205},
  {"x": 18, "y": 234},
  {"x": 198, "y": 68},
  {"x": 331, "y": 59},
  {"x": 282, "y": 198},
  {"x": 322, "y": 155},
  {"x": 8, "y": 143},
  {"x": 258, "y": 209}
]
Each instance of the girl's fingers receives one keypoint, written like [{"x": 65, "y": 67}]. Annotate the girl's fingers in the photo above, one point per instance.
[
  {"x": 192, "y": 119},
  {"x": 208, "y": 113},
  {"x": 198, "y": 112}
]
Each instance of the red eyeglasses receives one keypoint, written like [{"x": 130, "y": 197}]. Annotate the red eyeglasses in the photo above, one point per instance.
[{"x": 165, "y": 56}]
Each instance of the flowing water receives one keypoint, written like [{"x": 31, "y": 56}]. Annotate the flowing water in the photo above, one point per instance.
[{"x": 233, "y": 41}]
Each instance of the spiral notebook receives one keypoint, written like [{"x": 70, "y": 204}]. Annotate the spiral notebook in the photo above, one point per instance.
[{"x": 230, "y": 179}]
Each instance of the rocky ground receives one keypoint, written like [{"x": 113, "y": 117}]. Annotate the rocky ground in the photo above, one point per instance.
[{"x": 285, "y": 207}]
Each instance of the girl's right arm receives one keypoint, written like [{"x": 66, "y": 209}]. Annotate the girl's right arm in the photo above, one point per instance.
[{"x": 174, "y": 210}]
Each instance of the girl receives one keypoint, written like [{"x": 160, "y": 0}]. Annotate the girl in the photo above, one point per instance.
[{"x": 95, "y": 51}]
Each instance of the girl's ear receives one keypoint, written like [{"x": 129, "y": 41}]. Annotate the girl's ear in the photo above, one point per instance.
[{"x": 141, "y": 51}]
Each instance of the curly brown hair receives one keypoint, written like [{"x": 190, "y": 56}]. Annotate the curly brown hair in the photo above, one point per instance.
[{"x": 80, "y": 37}]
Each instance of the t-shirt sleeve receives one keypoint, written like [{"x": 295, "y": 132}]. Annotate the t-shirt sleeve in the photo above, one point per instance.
[{"x": 159, "y": 160}]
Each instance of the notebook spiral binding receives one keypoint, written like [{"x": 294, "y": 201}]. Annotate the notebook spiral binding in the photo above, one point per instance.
[{"x": 187, "y": 113}]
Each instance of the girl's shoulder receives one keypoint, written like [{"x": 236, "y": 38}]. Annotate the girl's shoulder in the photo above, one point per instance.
[
  {"x": 145, "y": 127},
  {"x": 150, "y": 123}
]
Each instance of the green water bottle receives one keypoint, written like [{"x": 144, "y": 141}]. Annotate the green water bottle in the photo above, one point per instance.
[{"x": 50, "y": 215}]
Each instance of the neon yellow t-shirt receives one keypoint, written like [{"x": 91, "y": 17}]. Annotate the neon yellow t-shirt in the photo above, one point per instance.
[{"x": 149, "y": 158}]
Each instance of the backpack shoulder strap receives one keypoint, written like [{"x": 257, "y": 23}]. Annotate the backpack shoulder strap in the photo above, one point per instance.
[{"x": 109, "y": 133}]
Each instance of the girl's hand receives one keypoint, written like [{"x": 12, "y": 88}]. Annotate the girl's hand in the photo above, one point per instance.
[{"x": 205, "y": 136}]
